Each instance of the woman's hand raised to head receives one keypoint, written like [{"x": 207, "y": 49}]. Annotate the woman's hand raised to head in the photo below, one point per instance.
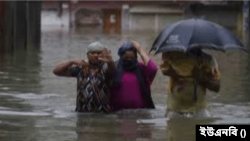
[
  {"x": 136, "y": 46},
  {"x": 143, "y": 54}
]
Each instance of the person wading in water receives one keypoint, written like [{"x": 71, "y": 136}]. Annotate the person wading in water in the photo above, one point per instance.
[
  {"x": 92, "y": 78},
  {"x": 183, "y": 69}
]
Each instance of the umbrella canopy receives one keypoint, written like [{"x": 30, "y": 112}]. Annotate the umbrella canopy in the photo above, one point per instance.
[{"x": 196, "y": 33}]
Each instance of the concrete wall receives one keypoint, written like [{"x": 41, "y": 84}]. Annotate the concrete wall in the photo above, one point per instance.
[
  {"x": 150, "y": 21},
  {"x": 139, "y": 21},
  {"x": 165, "y": 20},
  {"x": 226, "y": 15},
  {"x": 154, "y": 17}
]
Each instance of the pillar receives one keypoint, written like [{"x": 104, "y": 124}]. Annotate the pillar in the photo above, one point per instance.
[
  {"x": 34, "y": 24},
  {"x": 125, "y": 17},
  {"x": 245, "y": 21},
  {"x": 2, "y": 8},
  {"x": 70, "y": 15}
]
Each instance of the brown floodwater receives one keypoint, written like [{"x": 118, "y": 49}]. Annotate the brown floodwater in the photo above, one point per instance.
[{"x": 35, "y": 105}]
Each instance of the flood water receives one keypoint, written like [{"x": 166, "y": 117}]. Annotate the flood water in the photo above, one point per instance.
[{"x": 35, "y": 105}]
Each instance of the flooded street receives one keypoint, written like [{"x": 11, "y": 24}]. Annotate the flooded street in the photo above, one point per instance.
[{"x": 36, "y": 105}]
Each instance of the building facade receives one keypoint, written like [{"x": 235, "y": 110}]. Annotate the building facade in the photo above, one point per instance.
[{"x": 150, "y": 15}]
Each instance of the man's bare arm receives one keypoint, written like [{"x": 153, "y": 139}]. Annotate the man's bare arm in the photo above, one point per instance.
[
  {"x": 62, "y": 68},
  {"x": 211, "y": 82},
  {"x": 213, "y": 85}
]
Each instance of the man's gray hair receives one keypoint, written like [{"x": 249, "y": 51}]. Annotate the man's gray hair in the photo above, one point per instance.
[{"x": 95, "y": 46}]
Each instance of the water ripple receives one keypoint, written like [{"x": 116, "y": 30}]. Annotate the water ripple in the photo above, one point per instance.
[
  {"x": 30, "y": 95},
  {"x": 2, "y": 112}
]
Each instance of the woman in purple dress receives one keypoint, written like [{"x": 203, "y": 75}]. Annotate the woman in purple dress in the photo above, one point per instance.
[{"x": 131, "y": 84}]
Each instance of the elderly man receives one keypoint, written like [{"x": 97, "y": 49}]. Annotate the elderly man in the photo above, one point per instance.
[
  {"x": 183, "y": 69},
  {"x": 92, "y": 78}
]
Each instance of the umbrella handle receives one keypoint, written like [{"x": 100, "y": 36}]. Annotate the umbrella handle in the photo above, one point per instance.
[{"x": 195, "y": 85}]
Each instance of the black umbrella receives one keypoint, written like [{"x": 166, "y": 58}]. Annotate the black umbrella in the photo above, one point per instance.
[{"x": 196, "y": 33}]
